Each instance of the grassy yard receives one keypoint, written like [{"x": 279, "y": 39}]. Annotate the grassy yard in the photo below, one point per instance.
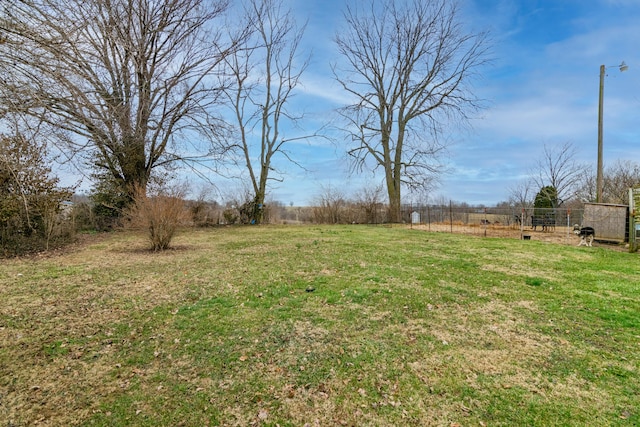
[{"x": 321, "y": 326}]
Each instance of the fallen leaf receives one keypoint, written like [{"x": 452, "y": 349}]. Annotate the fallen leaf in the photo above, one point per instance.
[{"x": 263, "y": 414}]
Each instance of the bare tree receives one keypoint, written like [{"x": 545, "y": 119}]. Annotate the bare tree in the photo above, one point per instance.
[
  {"x": 586, "y": 190},
  {"x": 408, "y": 67},
  {"x": 558, "y": 168},
  {"x": 125, "y": 80},
  {"x": 266, "y": 73},
  {"x": 521, "y": 195},
  {"x": 329, "y": 206},
  {"x": 617, "y": 180}
]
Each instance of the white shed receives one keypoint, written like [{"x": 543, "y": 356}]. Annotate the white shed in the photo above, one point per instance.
[{"x": 415, "y": 217}]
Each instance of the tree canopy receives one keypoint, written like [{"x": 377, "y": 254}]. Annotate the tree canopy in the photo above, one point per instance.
[{"x": 123, "y": 84}]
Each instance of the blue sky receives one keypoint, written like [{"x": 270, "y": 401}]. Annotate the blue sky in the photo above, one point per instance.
[{"x": 542, "y": 88}]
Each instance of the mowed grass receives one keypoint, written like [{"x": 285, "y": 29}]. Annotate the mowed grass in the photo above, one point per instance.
[{"x": 321, "y": 326}]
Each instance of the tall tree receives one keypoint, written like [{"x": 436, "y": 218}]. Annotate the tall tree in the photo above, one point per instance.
[
  {"x": 559, "y": 169},
  {"x": 266, "y": 73},
  {"x": 127, "y": 80},
  {"x": 407, "y": 66}
]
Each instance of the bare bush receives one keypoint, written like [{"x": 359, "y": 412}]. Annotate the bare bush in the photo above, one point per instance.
[
  {"x": 204, "y": 211},
  {"x": 329, "y": 206},
  {"x": 159, "y": 214},
  {"x": 370, "y": 203}
]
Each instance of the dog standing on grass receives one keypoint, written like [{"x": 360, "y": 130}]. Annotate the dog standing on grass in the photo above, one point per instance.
[{"x": 587, "y": 234}]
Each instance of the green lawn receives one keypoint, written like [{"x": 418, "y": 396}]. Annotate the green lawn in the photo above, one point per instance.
[{"x": 320, "y": 325}]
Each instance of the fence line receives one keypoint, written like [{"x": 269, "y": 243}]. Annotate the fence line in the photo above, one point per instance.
[{"x": 543, "y": 224}]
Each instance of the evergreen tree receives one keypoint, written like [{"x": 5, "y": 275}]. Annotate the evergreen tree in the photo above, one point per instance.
[{"x": 545, "y": 201}]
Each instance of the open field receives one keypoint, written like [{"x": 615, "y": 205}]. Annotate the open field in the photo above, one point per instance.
[{"x": 321, "y": 326}]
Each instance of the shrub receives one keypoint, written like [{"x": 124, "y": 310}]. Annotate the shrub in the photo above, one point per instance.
[
  {"x": 108, "y": 202},
  {"x": 230, "y": 216},
  {"x": 31, "y": 216},
  {"x": 159, "y": 214},
  {"x": 204, "y": 213}
]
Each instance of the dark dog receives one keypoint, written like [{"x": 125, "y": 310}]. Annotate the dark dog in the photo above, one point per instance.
[{"x": 587, "y": 234}]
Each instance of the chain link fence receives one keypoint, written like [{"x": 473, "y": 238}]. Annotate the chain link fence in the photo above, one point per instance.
[
  {"x": 529, "y": 223},
  {"x": 551, "y": 225}
]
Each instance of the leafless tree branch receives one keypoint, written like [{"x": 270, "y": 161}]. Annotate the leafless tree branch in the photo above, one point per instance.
[
  {"x": 408, "y": 68},
  {"x": 266, "y": 73},
  {"x": 131, "y": 79}
]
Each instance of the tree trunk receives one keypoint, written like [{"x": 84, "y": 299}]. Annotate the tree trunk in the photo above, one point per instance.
[
  {"x": 393, "y": 168},
  {"x": 261, "y": 191},
  {"x": 135, "y": 174},
  {"x": 258, "y": 209},
  {"x": 393, "y": 190}
]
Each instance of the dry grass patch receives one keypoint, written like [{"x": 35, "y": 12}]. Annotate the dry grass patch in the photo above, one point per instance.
[{"x": 57, "y": 319}]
